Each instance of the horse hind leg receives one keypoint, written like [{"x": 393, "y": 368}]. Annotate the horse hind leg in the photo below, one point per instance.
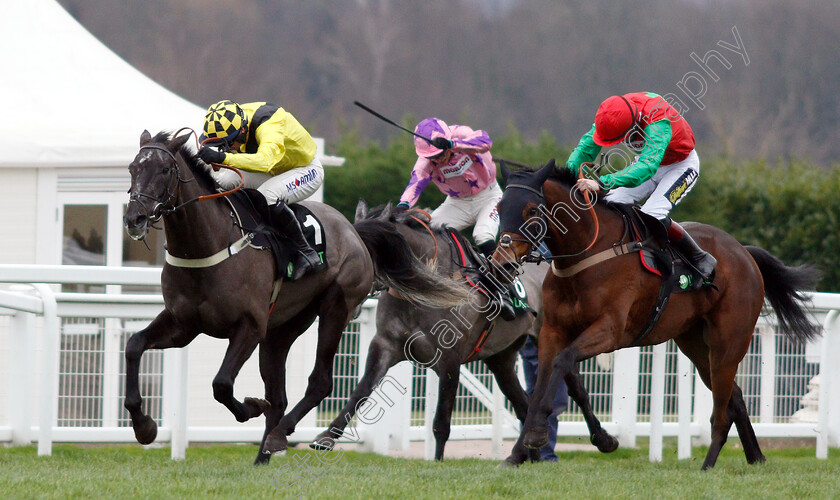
[
  {"x": 717, "y": 368},
  {"x": 738, "y": 413},
  {"x": 381, "y": 356},
  {"x": 597, "y": 435},
  {"x": 162, "y": 333}
]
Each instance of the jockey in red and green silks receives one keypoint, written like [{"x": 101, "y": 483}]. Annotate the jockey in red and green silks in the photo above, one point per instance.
[{"x": 664, "y": 170}]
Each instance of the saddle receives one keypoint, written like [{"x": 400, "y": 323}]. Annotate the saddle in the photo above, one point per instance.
[
  {"x": 251, "y": 215},
  {"x": 476, "y": 268}
]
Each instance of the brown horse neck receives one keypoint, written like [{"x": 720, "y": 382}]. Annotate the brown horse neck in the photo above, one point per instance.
[{"x": 572, "y": 227}]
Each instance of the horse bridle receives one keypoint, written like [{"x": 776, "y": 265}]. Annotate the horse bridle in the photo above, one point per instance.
[
  {"x": 506, "y": 239},
  {"x": 160, "y": 207},
  {"x": 534, "y": 256}
]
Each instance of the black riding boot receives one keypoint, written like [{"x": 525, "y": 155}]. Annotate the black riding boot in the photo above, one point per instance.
[
  {"x": 499, "y": 293},
  {"x": 305, "y": 258},
  {"x": 685, "y": 244}
]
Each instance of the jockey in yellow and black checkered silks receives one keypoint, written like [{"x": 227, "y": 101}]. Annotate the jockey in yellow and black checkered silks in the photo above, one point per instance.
[
  {"x": 272, "y": 153},
  {"x": 223, "y": 122}
]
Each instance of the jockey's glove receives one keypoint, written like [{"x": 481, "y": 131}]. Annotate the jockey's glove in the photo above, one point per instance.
[
  {"x": 442, "y": 143},
  {"x": 211, "y": 155}
]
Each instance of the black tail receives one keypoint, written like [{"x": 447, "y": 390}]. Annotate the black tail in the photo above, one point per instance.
[
  {"x": 782, "y": 287},
  {"x": 399, "y": 269}
]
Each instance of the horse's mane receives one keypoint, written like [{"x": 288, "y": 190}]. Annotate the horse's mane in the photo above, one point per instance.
[
  {"x": 568, "y": 178},
  {"x": 201, "y": 171},
  {"x": 564, "y": 176}
]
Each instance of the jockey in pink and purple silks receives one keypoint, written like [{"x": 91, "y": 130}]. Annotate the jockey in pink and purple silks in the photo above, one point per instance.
[{"x": 458, "y": 161}]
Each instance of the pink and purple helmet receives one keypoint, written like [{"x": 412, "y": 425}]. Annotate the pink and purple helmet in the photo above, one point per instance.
[{"x": 431, "y": 128}]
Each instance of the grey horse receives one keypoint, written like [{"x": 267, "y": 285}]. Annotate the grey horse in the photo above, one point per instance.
[{"x": 444, "y": 338}]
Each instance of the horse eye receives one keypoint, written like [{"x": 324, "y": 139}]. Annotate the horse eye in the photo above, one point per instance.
[
  {"x": 165, "y": 170},
  {"x": 532, "y": 211}
]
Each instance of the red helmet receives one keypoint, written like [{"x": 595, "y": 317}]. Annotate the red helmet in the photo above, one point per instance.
[{"x": 616, "y": 116}]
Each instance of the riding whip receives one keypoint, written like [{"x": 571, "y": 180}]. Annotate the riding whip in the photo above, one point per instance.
[{"x": 392, "y": 122}]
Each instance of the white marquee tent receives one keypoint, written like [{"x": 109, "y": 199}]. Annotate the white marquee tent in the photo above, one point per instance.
[
  {"x": 73, "y": 101},
  {"x": 77, "y": 112}
]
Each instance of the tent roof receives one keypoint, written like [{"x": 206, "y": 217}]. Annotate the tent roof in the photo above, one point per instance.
[{"x": 75, "y": 102}]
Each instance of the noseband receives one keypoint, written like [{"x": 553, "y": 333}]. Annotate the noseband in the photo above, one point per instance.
[
  {"x": 506, "y": 239},
  {"x": 534, "y": 256}
]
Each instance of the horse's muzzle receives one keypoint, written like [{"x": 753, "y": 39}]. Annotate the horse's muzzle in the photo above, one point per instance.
[
  {"x": 505, "y": 273},
  {"x": 136, "y": 226}
]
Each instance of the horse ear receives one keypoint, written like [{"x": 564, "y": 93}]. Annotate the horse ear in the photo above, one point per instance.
[
  {"x": 505, "y": 170},
  {"x": 176, "y": 143},
  {"x": 361, "y": 211},
  {"x": 545, "y": 172},
  {"x": 145, "y": 137}
]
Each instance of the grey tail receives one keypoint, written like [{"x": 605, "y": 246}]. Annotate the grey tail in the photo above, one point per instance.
[{"x": 397, "y": 267}]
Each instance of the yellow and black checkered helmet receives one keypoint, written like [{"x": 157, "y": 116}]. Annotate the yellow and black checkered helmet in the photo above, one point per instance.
[{"x": 224, "y": 121}]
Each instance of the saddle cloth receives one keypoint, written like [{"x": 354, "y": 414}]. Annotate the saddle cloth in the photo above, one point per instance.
[
  {"x": 657, "y": 255},
  {"x": 251, "y": 213}
]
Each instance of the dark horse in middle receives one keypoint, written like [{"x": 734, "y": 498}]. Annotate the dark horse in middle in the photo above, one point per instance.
[
  {"x": 213, "y": 282},
  {"x": 442, "y": 339}
]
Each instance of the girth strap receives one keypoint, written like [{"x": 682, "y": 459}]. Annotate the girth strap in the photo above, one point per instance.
[
  {"x": 214, "y": 259},
  {"x": 482, "y": 339},
  {"x": 599, "y": 257}
]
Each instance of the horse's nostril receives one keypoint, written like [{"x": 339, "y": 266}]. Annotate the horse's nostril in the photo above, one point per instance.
[{"x": 134, "y": 220}]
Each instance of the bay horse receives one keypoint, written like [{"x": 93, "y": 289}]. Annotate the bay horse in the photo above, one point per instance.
[
  {"x": 606, "y": 306},
  {"x": 450, "y": 336},
  {"x": 231, "y": 297}
]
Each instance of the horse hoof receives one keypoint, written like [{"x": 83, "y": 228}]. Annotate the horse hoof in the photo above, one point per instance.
[
  {"x": 535, "y": 438},
  {"x": 145, "y": 430},
  {"x": 604, "y": 442},
  {"x": 256, "y": 406},
  {"x": 508, "y": 463},
  {"x": 323, "y": 442},
  {"x": 275, "y": 444}
]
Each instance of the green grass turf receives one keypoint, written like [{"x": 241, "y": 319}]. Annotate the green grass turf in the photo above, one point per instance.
[{"x": 128, "y": 471}]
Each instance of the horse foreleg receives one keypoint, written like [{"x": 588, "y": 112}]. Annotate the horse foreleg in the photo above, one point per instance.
[
  {"x": 243, "y": 341},
  {"x": 334, "y": 315},
  {"x": 535, "y": 430},
  {"x": 274, "y": 351},
  {"x": 381, "y": 356},
  {"x": 449, "y": 374},
  {"x": 162, "y": 333},
  {"x": 597, "y": 435},
  {"x": 503, "y": 366}
]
